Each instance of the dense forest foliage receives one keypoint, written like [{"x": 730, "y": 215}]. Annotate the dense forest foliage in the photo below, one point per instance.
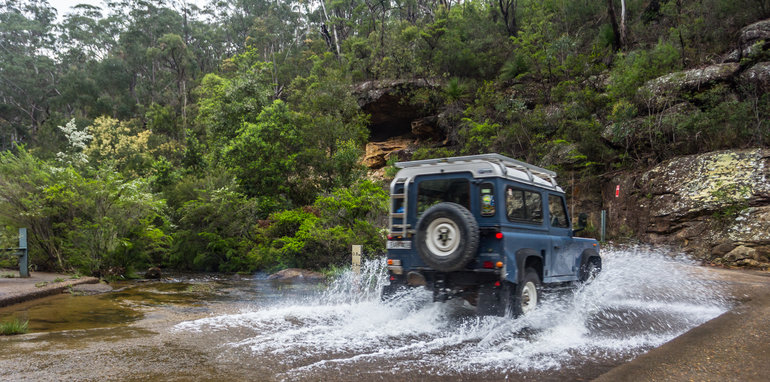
[{"x": 227, "y": 137}]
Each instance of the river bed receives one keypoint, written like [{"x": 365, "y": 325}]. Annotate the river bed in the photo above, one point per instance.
[{"x": 218, "y": 328}]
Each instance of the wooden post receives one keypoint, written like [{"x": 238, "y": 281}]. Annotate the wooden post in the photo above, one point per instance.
[{"x": 357, "y": 258}]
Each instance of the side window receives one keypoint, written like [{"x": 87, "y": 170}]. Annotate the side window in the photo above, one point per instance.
[
  {"x": 558, "y": 212},
  {"x": 487, "y": 194},
  {"x": 521, "y": 205},
  {"x": 430, "y": 192}
]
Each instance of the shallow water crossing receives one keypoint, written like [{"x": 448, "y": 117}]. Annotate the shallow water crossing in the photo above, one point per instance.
[
  {"x": 265, "y": 331},
  {"x": 641, "y": 300}
]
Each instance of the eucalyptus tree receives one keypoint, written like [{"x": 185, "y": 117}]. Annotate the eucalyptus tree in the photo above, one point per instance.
[{"x": 28, "y": 73}]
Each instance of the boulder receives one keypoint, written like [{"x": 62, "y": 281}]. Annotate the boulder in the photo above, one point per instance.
[
  {"x": 760, "y": 30},
  {"x": 709, "y": 204},
  {"x": 722, "y": 249},
  {"x": 666, "y": 90},
  {"x": 758, "y": 77},
  {"x": 560, "y": 153},
  {"x": 697, "y": 184},
  {"x": 752, "y": 39},
  {"x": 740, "y": 253},
  {"x": 153, "y": 273},
  {"x": 296, "y": 274},
  {"x": 751, "y": 263},
  {"x": 615, "y": 133}
]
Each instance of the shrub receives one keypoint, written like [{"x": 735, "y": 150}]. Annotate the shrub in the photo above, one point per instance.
[{"x": 321, "y": 235}]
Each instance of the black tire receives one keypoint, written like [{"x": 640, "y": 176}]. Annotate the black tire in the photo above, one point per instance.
[
  {"x": 526, "y": 294},
  {"x": 447, "y": 237},
  {"x": 590, "y": 269}
]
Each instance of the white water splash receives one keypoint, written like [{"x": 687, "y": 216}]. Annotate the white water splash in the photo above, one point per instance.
[{"x": 640, "y": 300}]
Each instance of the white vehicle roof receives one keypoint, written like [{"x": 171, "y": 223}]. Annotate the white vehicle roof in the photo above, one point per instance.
[{"x": 481, "y": 166}]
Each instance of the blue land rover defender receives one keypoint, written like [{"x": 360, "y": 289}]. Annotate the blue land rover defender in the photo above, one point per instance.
[{"x": 486, "y": 228}]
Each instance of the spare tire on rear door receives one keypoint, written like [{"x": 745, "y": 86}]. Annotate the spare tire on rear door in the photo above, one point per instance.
[{"x": 447, "y": 237}]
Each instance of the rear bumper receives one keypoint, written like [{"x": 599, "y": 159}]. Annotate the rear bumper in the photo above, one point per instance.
[{"x": 434, "y": 279}]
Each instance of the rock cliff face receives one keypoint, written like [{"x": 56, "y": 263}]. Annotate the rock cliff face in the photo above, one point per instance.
[
  {"x": 396, "y": 125},
  {"x": 715, "y": 205}
]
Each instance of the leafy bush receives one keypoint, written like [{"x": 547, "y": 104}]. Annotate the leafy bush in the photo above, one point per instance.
[
  {"x": 322, "y": 235},
  {"x": 632, "y": 70},
  {"x": 214, "y": 225},
  {"x": 92, "y": 224}
]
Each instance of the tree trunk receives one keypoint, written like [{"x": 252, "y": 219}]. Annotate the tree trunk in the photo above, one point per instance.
[
  {"x": 616, "y": 44},
  {"x": 623, "y": 35},
  {"x": 334, "y": 30}
]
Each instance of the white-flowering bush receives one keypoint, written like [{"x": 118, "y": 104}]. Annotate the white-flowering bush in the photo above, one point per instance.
[{"x": 77, "y": 142}]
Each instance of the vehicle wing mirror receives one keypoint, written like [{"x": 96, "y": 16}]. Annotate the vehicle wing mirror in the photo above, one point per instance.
[{"x": 582, "y": 222}]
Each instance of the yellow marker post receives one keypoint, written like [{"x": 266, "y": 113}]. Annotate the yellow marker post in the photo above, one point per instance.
[{"x": 357, "y": 258}]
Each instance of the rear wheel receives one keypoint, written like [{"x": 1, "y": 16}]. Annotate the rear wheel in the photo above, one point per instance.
[{"x": 526, "y": 294}]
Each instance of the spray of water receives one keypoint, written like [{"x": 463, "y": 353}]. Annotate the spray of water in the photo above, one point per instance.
[{"x": 641, "y": 299}]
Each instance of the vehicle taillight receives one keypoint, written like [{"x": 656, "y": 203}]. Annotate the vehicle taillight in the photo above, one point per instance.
[
  {"x": 499, "y": 236},
  {"x": 488, "y": 265}
]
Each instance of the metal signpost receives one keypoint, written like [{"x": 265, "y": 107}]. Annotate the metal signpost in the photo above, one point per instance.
[{"x": 21, "y": 252}]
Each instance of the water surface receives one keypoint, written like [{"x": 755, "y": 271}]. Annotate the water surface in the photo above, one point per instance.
[{"x": 210, "y": 328}]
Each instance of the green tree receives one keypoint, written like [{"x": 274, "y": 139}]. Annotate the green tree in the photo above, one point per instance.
[{"x": 28, "y": 75}]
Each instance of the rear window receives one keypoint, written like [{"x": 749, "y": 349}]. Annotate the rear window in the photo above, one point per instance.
[
  {"x": 431, "y": 192},
  {"x": 523, "y": 206}
]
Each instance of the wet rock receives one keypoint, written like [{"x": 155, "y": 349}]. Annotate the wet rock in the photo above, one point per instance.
[
  {"x": 666, "y": 90},
  {"x": 91, "y": 289},
  {"x": 296, "y": 274},
  {"x": 741, "y": 253},
  {"x": 152, "y": 273}
]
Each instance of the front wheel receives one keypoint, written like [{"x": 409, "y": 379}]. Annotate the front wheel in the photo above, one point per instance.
[
  {"x": 590, "y": 270},
  {"x": 526, "y": 294}
]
